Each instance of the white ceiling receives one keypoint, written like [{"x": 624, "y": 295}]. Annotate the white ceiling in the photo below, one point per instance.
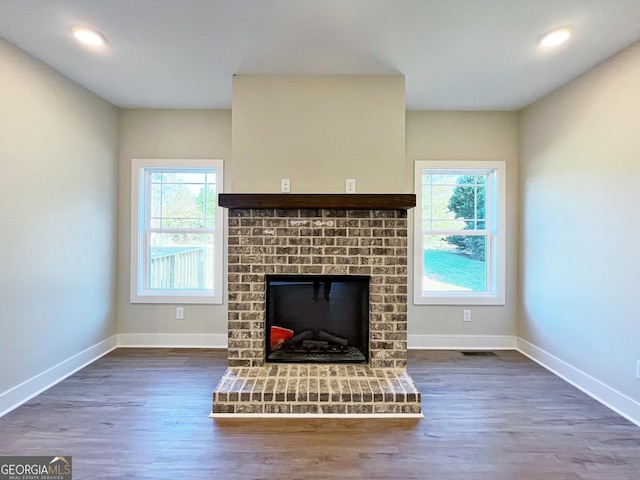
[{"x": 455, "y": 54}]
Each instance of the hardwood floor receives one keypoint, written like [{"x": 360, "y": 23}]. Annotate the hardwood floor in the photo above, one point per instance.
[{"x": 142, "y": 414}]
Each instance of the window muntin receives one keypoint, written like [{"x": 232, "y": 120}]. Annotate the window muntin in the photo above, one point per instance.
[
  {"x": 177, "y": 251},
  {"x": 459, "y": 231}
]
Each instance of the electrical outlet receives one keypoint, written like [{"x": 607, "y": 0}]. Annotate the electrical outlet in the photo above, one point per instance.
[
  {"x": 285, "y": 185},
  {"x": 179, "y": 313},
  {"x": 351, "y": 185},
  {"x": 466, "y": 315}
]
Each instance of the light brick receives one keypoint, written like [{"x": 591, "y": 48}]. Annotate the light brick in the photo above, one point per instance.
[{"x": 353, "y": 242}]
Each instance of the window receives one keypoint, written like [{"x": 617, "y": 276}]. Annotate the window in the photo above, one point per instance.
[
  {"x": 176, "y": 227},
  {"x": 459, "y": 233}
]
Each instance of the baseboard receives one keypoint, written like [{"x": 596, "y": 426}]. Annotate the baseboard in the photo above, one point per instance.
[
  {"x": 609, "y": 397},
  {"x": 172, "y": 340},
  {"x": 28, "y": 389},
  {"x": 461, "y": 342}
]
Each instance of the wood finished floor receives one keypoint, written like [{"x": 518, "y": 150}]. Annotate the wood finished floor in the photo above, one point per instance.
[{"x": 142, "y": 414}]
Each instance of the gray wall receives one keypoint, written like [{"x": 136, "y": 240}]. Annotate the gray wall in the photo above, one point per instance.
[
  {"x": 58, "y": 197},
  {"x": 166, "y": 134},
  {"x": 207, "y": 134},
  {"x": 469, "y": 136},
  {"x": 580, "y": 187},
  {"x": 318, "y": 131}
]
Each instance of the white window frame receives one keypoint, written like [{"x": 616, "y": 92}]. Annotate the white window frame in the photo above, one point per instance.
[
  {"x": 496, "y": 224},
  {"x": 140, "y": 294}
]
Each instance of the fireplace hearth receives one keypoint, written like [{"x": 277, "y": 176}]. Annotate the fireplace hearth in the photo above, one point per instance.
[{"x": 317, "y": 306}]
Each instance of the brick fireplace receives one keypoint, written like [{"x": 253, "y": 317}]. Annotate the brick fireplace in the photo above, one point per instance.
[{"x": 359, "y": 235}]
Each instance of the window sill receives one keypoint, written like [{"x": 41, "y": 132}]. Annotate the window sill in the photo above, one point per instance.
[
  {"x": 486, "y": 300},
  {"x": 176, "y": 299}
]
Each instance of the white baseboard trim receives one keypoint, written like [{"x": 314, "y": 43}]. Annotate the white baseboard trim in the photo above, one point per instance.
[
  {"x": 172, "y": 340},
  {"x": 461, "y": 342},
  {"x": 609, "y": 397},
  {"x": 16, "y": 396}
]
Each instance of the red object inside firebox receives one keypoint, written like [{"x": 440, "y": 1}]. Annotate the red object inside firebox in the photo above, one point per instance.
[{"x": 279, "y": 335}]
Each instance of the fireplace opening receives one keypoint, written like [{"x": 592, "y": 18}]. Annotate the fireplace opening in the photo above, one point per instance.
[{"x": 317, "y": 318}]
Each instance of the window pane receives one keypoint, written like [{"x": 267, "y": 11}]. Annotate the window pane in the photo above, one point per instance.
[
  {"x": 446, "y": 179},
  {"x": 156, "y": 200},
  {"x": 192, "y": 177},
  {"x": 186, "y": 223},
  {"x": 441, "y": 201},
  {"x": 178, "y": 201},
  {"x": 206, "y": 200},
  {"x": 182, "y": 200},
  {"x": 449, "y": 225},
  {"x": 447, "y": 196},
  {"x": 463, "y": 201},
  {"x": 481, "y": 203},
  {"x": 180, "y": 261},
  {"x": 455, "y": 263},
  {"x": 426, "y": 201}
]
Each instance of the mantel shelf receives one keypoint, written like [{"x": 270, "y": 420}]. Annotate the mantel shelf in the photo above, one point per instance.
[{"x": 327, "y": 201}]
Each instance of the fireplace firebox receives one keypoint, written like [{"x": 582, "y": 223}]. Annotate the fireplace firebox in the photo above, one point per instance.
[{"x": 317, "y": 318}]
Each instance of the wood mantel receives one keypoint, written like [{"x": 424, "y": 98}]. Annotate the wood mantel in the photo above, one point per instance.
[{"x": 328, "y": 201}]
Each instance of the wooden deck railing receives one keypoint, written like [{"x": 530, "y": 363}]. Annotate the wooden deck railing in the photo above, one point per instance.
[{"x": 177, "y": 268}]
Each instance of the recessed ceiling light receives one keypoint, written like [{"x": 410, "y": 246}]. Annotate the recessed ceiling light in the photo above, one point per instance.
[
  {"x": 555, "y": 37},
  {"x": 88, "y": 36}
]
